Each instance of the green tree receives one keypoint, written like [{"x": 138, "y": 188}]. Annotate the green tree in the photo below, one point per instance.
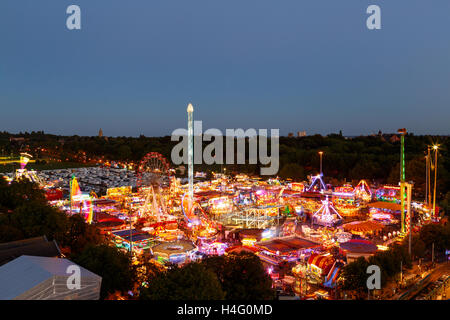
[
  {"x": 293, "y": 171},
  {"x": 113, "y": 265},
  {"x": 437, "y": 234},
  {"x": 19, "y": 192},
  {"x": 354, "y": 275},
  {"x": 9, "y": 233},
  {"x": 191, "y": 282},
  {"x": 418, "y": 247},
  {"x": 147, "y": 270},
  {"x": 80, "y": 234},
  {"x": 34, "y": 218},
  {"x": 242, "y": 276},
  {"x": 446, "y": 203}
]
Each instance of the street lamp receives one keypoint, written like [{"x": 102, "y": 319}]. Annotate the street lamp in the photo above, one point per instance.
[{"x": 320, "y": 155}]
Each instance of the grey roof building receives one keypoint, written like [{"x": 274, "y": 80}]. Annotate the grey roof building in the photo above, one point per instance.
[
  {"x": 43, "y": 278},
  {"x": 38, "y": 246}
]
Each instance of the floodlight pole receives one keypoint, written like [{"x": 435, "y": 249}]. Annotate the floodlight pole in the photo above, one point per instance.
[
  {"x": 435, "y": 180},
  {"x": 320, "y": 154}
]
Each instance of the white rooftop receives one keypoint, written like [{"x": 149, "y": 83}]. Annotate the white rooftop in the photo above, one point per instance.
[{"x": 26, "y": 272}]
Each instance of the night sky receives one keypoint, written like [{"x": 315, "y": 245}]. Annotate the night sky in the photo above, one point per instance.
[{"x": 290, "y": 64}]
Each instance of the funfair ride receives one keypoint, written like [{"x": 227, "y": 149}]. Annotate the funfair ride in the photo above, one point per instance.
[
  {"x": 30, "y": 175},
  {"x": 327, "y": 215},
  {"x": 151, "y": 172},
  {"x": 81, "y": 203},
  {"x": 200, "y": 225},
  {"x": 363, "y": 192}
]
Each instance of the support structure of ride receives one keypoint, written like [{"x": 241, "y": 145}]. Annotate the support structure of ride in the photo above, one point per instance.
[
  {"x": 257, "y": 217},
  {"x": 327, "y": 215},
  {"x": 317, "y": 184}
]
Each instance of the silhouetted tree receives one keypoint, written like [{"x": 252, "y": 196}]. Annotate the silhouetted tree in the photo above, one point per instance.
[
  {"x": 113, "y": 265},
  {"x": 191, "y": 282}
]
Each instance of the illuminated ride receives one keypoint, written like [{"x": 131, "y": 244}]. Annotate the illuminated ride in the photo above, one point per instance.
[
  {"x": 297, "y": 186},
  {"x": 197, "y": 220},
  {"x": 379, "y": 216},
  {"x": 388, "y": 194},
  {"x": 363, "y": 192},
  {"x": 317, "y": 184},
  {"x": 80, "y": 203},
  {"x": 319, "y": 268},
  {"x": 220, "y": 205},
  {"x": 153, "y": 166},
  {"x": 344, "y": 199},
  {"x": 150, "y": 174},
  {"x": 288, "y": 228},
  {"x": 259, "y": 217},
  {"x": 327, "y": 215},
  {"x": 21, "y": 173},
  {"x": 267, "y": 196}
]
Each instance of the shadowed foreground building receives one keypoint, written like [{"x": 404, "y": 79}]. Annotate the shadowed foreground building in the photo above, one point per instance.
[
  {"x": 38, "y": 246},
  {"x": 43, "y": 278}
]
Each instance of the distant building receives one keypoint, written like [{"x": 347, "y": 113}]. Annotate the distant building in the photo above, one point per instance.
[
  {"x": 290, "y": 135},
  {"x": 100, "y": 133},
  {"x": 301, "y": 133}
]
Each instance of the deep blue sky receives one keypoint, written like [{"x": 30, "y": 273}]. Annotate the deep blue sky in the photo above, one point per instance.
[{"x": 289, "y": 64}]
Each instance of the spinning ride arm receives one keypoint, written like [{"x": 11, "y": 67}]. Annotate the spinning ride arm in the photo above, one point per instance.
[{"x": 201, "y": 219}]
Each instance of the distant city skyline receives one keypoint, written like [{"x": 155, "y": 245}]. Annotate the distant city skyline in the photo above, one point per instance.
[{"x": 291, "y": 65}]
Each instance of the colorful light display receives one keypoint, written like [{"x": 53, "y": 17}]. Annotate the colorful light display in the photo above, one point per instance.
[
  {"x": 80, "y": 202},
  {"x": 327, "y": 214},
  {"x": 317, "y": 184}
]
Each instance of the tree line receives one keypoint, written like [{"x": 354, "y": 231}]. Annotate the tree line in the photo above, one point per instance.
[{"x": 375, "y": 158}]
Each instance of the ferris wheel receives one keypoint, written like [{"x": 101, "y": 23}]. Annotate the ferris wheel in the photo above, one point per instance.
[
  {"x": 150, "y": 172},
  {"x": 152, "y": 168}
]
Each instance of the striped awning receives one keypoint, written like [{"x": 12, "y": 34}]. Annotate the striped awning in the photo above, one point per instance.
[
  {"x": 363, "y": 226},
  {"x": 322, "y": 262}
]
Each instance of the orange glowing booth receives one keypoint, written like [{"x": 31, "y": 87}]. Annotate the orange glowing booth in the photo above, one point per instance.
[{"x": 363, "y": 227}]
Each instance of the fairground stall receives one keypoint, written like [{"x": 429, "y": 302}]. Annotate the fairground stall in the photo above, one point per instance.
[{"x": 175, "y": 252}]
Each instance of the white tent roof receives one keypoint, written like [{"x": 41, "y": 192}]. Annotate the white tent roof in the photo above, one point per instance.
[{"x": 26, "y": 272}]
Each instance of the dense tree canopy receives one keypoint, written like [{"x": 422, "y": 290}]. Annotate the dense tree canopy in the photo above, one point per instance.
[
  {"x": 232, "y": 277},
  {"x": 191, "y": 282},
  {"x": 242, "y": 276},
  {"x": 114, "y": 266},
  {"x": 375, "y": 158}
]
